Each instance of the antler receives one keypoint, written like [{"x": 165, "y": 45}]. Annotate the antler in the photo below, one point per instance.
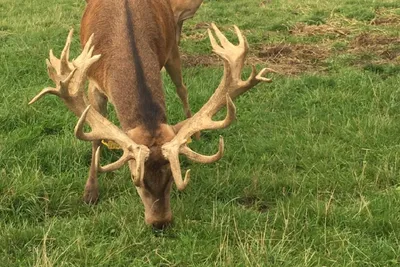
[
  {"x": 70, "y": 78},
  {"x": 231, "y": 86}
]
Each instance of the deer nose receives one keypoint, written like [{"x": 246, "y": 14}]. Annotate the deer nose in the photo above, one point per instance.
[{"x": 159, "y": 223}]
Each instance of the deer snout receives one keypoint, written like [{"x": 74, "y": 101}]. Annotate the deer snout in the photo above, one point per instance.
[{"x": 158, "y": 222}]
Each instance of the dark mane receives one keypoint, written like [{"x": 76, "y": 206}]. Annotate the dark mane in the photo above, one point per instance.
[{"x": 149, "y": 110}]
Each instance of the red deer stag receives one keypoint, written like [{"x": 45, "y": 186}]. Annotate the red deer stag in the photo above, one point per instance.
[{"x": 127, "y": 42}]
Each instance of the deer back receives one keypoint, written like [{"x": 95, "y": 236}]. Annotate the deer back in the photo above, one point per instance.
[{"x": 134, "y": 38}]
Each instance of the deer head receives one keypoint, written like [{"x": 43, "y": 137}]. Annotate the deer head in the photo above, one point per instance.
[
  {"x": 152, "y": 155},
  {"x": 183, "y": 10}
]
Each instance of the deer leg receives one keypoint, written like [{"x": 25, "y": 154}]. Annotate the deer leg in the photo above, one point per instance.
[
  {"x": 99, "y": 102},
  {"x": 173, "y": 67}
]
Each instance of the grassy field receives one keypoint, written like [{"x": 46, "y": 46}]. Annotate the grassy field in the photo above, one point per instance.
[{"x": 310, "y": 176}]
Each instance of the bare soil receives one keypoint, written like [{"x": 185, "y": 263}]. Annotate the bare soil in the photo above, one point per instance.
[
  {"x": 302, "y": 29},
  {"x": 293, "y": 59},
  {"x": 385, "y": 17}
]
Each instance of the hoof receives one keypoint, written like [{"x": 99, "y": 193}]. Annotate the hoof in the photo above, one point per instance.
[{"x": 90, "y": 198}]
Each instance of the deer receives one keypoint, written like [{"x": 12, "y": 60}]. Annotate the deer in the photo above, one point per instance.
[{"x": 125, "y": 45}]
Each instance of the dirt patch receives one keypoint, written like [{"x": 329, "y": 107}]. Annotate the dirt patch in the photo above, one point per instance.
[
  {"x": 374, "y": 40},
  {"x": 196, "y": 36},
  {"x": 302, "y": 29},
  {"x": 384, "y": 49},
  {"x": 202, "y": 25},
  {"x": 386, "y": 21},
  {"x": 391, "y": 53},
  {"x": 285, "y": 59},
  {"x": 200, "y": 60},
  {"x": 293, "y": 59},
  {"x": 385, "y": 17},
  {"x": 275, "y": 51}
]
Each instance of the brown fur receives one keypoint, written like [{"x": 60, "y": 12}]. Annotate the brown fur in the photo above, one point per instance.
[{"x": 183, "y": 10}]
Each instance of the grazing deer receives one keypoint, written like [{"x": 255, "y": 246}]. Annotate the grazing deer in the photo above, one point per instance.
[{"x": 127, "y": 42}]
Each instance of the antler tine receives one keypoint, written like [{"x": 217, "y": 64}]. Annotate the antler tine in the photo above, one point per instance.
[
  {"x": 64, "y": 58},
  {"x": 88, "y": 44},
  {"x": 54, "y": 61},
  {"x": 206, "y": 122},
  {"x": 242, "y": 40},
  {"x": 45, "y": 91},
  {"x": 214, "y": 44},
  {"x": 224, "y": 41},
  {"x": 177, "y": 173},
  {"x": 115, "y": 165},
  {"x": 86, "y": 52},
  {"x": 171, "y": 152},
  {"x": 202, "y": 158},
  {"x": 78, "y": 131},
  {"x": 51, "y": 71},
  {"x": 139, "y": 169},
  {"x": 260, "y": 75},
  {"x": 64, "y": 84}
]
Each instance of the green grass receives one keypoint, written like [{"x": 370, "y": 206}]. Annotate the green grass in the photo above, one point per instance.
[{"x": 310, "y": 176}]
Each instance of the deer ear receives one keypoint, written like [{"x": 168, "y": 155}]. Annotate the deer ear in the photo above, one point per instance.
[
  {"x": 168, "y": 132},
  {"x": 139, "y": 135},
  {"x": 178, "y": 126}
]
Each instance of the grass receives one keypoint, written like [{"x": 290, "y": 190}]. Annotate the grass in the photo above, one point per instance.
[{"x": 311, "y": 171}]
